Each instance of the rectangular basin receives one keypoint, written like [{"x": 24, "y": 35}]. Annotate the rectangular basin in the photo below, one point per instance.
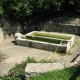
[{"x": 47, "y": 41}]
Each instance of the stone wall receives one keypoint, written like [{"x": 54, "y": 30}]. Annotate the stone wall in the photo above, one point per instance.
[
  {"x": 51, "y": 27},
  {"x": 1, "y": 35},
  {"x": 10, "y": 28}
]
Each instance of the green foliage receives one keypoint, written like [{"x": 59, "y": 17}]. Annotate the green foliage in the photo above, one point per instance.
[
  {"x": 1, "y": 10},
  {"x": 21, "y": 9},
  {"x": 31, "y": 60},
  {"x": 16, "y": 73},
  {"x": 47, "y": 61},
  {"x": 2, "y": 56}
]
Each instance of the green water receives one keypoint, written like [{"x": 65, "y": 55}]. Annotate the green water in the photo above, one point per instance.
[
  {"x": 52, "y": 35},
  {"x": 42, "y": 39}
]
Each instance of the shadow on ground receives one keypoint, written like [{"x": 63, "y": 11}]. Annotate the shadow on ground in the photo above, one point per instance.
[{"x": 75, "y": 74}]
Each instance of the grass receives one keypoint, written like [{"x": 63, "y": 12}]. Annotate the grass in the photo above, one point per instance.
[
  {"x": 2, "y": 56},
  {"x": 52, "y": 36},
  {"x": 71, "y": 73},
  {"x": 18, "y": 73}
]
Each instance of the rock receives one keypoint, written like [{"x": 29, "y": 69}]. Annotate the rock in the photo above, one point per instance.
[
  {"x": 17, "y": 35},
  {"x": 33, "y": 69}
]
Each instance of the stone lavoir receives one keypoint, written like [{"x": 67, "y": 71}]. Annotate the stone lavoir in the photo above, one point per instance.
[{"x": 51, "y": 41}]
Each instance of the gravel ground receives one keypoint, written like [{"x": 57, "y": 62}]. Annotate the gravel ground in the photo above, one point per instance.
[{"x": 17, "y": 53}]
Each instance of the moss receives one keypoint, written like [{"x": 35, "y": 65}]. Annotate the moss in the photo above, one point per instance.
[{"x": 52, "y": 36}]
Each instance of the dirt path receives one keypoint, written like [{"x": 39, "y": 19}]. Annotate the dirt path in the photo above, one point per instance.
[{"x": 17, "y": 53}]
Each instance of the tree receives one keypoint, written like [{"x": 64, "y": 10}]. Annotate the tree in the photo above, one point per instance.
[
  {"x": 21, "y": 10},
  {"x": 1, "y": 8}
]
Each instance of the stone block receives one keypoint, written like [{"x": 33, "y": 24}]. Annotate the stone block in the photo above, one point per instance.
[
  {"x": 58, "y": 47},
  {"x": 33, "y": 69}
]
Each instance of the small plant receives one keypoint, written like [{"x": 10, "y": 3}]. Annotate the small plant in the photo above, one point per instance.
[
  {"x": 2, "y": 56},
  {"x": 31, "y": 60},
  {"x": 47, "y": 61},
  {"x": 16, "y": 73}
]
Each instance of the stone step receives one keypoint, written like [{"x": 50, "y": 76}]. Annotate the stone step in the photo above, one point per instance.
[{"x": 33, "y": 69}]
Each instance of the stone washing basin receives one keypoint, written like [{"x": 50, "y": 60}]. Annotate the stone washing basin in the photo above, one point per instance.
[{"x": 51, "y": 41}]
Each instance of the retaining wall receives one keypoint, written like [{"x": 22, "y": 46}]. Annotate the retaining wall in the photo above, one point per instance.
[
  {"x": 1, "y": 35},
  {"x": 51, "y": 27},
  {"x": 10, "y": 28}
]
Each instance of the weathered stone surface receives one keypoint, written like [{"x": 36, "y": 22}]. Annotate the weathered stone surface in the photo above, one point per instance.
[
  {"x": 51, "y": 27},
  {"x": 45, "y": 45},
  {"x": 33, "y": 69},
  {"x": 70, "y": 64},
  {"x": 78, "y": 59},
  {"x": 17, "y": 35},
  {"x": 40, "y": 45},
  {"x": 56, "y": 25},
  {"x": 1, "y": 35}
]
